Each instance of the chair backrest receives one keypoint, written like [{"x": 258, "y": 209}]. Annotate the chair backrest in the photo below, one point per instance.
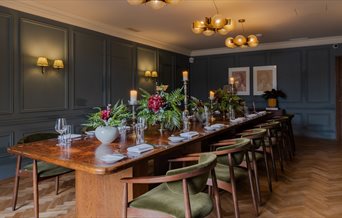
[
  {"x": 196, "y": 183},
  {"x": 240, "y": 147},
  {"x": 37, "y": 137},
  {"x": 256, "y": 136}
]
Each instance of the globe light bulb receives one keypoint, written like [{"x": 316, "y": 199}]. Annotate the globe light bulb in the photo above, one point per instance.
[
  {"x": 218, "y": 21},
  {"x": 230, "y": 42},
  {"x": 252, "y": 41},
  {"x": 222, "y": 31},
  {"x": 208, "y": 32},
  {"x": 229, "y": 25},
  {"x": 240, "y": 40},
  {"x": 172, "y": 2},
  {"x": 156, "y": 4}
]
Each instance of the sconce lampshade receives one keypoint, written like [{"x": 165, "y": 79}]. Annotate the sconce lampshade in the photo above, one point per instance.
[
  {"x": 147, "y": 73},
  {"x": 42, "y": 62},
  {"x": 154, "y": 74},
  {"x": 58, "y": 64}
]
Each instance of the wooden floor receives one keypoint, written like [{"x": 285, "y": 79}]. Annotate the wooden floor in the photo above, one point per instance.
[{"x": 311, "y": 187}]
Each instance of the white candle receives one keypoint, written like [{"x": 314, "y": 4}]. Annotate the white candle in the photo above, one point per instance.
[
  {"x": 133, "y": 95},
  {"x": 231, "y": 80},
  {"x": 211, "y": 95},
  {"x": 185, "y": 75}
]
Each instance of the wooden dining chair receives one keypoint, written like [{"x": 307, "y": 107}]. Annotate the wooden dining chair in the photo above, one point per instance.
[
  {"x": 178, "y": 195},
  {"x": 258, "y": 153},
  {"x": 230, "y": 155},
  {"x": 271, "y": 142},
  {"x": 38, "y": 170}
]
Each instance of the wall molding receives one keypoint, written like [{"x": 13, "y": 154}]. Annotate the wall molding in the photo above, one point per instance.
[
  {"x": 50, "y": 13},
  {"x": 271, "y": 46}
]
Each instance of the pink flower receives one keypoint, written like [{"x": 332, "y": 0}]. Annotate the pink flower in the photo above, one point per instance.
[{"x": 155, "y": 102}]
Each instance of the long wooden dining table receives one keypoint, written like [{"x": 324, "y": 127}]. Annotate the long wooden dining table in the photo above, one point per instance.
[{"x": 99, "y": 192}]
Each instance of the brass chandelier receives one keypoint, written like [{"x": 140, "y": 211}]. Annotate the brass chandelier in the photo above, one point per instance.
[
  {"x": 155, "y": 4},
  {"x": 212, "y": 25},
  {"x": 241, "y": 41}
]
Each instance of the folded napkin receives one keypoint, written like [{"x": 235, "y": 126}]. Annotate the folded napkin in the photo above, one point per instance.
[
  {"x": 140, "y": 148},
  {"x": 262, "y": 112},
  {"x": 190, "y": 134},
  {"x": 238, "y": 120},
  {"x": 112, "y": 158}
]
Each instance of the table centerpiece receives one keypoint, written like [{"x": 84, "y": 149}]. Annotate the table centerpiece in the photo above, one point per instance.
[
  {"x": 161, "y": 108},
  {"x": 105, "y": 122}
]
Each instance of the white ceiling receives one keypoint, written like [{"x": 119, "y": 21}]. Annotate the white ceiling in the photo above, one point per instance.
[{"x": 276, "y": 20}]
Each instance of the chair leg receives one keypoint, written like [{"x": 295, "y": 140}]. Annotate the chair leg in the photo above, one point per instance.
[
  {"x": 216, "y": 194},
  {"x": 125, "y": 200},
  {"x": 35, "y": 189},
  {"x": 256, "y": 176},
  {"x": 251, "y": 182},
  {"x": 57, "y": 184},
  {"x": 269, "y": 179},
  {"x": 16, "y": 183},
  {"x": 274, "y": 167},
  {"x": 281, "y": 156},
  {"x": 235, "y": 201}
]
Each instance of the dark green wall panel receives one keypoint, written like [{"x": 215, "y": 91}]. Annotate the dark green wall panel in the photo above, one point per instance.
[
  {"x": 146, "y": 60},
  {"x": 166, "y": 65},
  {"x": 89, "y": 70},
  {"x": 199, "y": 78},
  {"x": 122, "y": 69},
  {"x": 42, "y": 92},
  {"x": 218, "y": 71},
  {"x": 6, "y": 66}
]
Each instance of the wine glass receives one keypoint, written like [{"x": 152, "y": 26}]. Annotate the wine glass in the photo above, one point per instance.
[
  {"x": 60, "y": 127},
  {"x": 142, "y": 121}
]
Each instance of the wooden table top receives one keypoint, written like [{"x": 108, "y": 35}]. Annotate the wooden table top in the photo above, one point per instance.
[{"x": 83, "y": 154}]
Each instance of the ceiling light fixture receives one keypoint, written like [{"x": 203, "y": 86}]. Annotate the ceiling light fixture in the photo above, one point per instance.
[
  {"x": 211, "y": 25},
  {"x": 155, "y": 4},
  {"x": 241, "y": 41}
]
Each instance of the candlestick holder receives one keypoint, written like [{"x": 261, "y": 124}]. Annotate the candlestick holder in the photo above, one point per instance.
[
  {"x": 185, "y": 115},
  {"x": 211, "y": 110},
  {"x": 133, "y": 104}
]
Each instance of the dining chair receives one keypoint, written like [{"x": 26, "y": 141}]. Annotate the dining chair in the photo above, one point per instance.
[
  {"x": 271, "y": 142},
  {"x": 230, "y": 155},
  {"x": 258, "y": 153},
  {"x": 38, "y": 170},
  {"x": 179, "y": 194}
]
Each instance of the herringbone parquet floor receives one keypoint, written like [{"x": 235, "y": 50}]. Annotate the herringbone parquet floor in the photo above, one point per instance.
[{"x": 310, "y": 187}]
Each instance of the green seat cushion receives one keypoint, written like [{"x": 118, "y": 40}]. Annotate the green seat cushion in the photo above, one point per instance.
[
  {"x": 47, "y": 169},
  {"x": 223, "y": 173},
  {"x": 163, "y": 199}
]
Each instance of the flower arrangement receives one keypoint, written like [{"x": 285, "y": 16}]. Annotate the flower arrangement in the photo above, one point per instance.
[
  {"x": 111, "y": 116},
  {"x": 198, "y": 108},
  {"x": 224, "y": 100},
  {"x": 161, "y": 108}
]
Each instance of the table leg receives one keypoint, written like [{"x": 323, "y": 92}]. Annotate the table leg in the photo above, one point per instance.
[{"x": 100, "y": 195}]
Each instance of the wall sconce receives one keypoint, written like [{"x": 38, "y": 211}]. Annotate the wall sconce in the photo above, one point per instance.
[
  {"x": 42, "y": 62},
  {"x": 150, "y": 75},
  {"x": 58, "y": 64}
]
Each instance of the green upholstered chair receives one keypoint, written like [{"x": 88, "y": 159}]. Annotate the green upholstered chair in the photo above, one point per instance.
[
  {"x": 38, "y": 170},
  {"x": 258, "y": 153},
  {"x": 230, "y": 154},
  {"x": 271, "y": 142},
  {"x": 178, "y": 195}
]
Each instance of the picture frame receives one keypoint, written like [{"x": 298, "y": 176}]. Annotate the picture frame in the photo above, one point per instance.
[
  {"x": 241, "y": 77},
  {"x": 264, "y": 79}
]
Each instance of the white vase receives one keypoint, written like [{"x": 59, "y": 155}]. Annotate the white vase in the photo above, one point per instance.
[{"x": 106, "y": 134}]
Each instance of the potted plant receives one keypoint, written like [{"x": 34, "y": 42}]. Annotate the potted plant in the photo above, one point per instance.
[
  {"x": 272, "y": 97},
  {"x": 105, "y": 122}
]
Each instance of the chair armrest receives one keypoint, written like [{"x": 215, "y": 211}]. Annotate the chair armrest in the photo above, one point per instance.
[{"x": 184, "y": 159}]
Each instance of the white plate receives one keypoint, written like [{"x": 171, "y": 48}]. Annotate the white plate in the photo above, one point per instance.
[
  {"x": 217, "y": 126},
  {"x": 209, "y": 128},
  {"x": 112, "y": 158},
  {"x": 175, "y": 139}
]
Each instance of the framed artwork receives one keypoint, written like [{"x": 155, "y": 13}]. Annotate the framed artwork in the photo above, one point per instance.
[
  {"x": 241, "y": 79},
  {"x": 264, "y": 79}
]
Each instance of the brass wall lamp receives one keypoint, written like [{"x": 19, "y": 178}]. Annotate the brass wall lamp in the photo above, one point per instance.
[
  {"x": 43, "y": 63},
  {"x": 150, "y": 75}
]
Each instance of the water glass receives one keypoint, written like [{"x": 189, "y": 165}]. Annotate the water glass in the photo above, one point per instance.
[
  {"x": 67, "y": 135},
  {"x": 139, "y": 132},
  {"x": 60, "y": 127},
  {"x": 122, "y": 130},
  {"x": 142, "y": 121}
]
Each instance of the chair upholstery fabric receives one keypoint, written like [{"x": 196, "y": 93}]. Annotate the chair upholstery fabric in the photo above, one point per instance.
[
  {"x": 237, "y": 157},
  {"x": 168, "y": 197}
]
